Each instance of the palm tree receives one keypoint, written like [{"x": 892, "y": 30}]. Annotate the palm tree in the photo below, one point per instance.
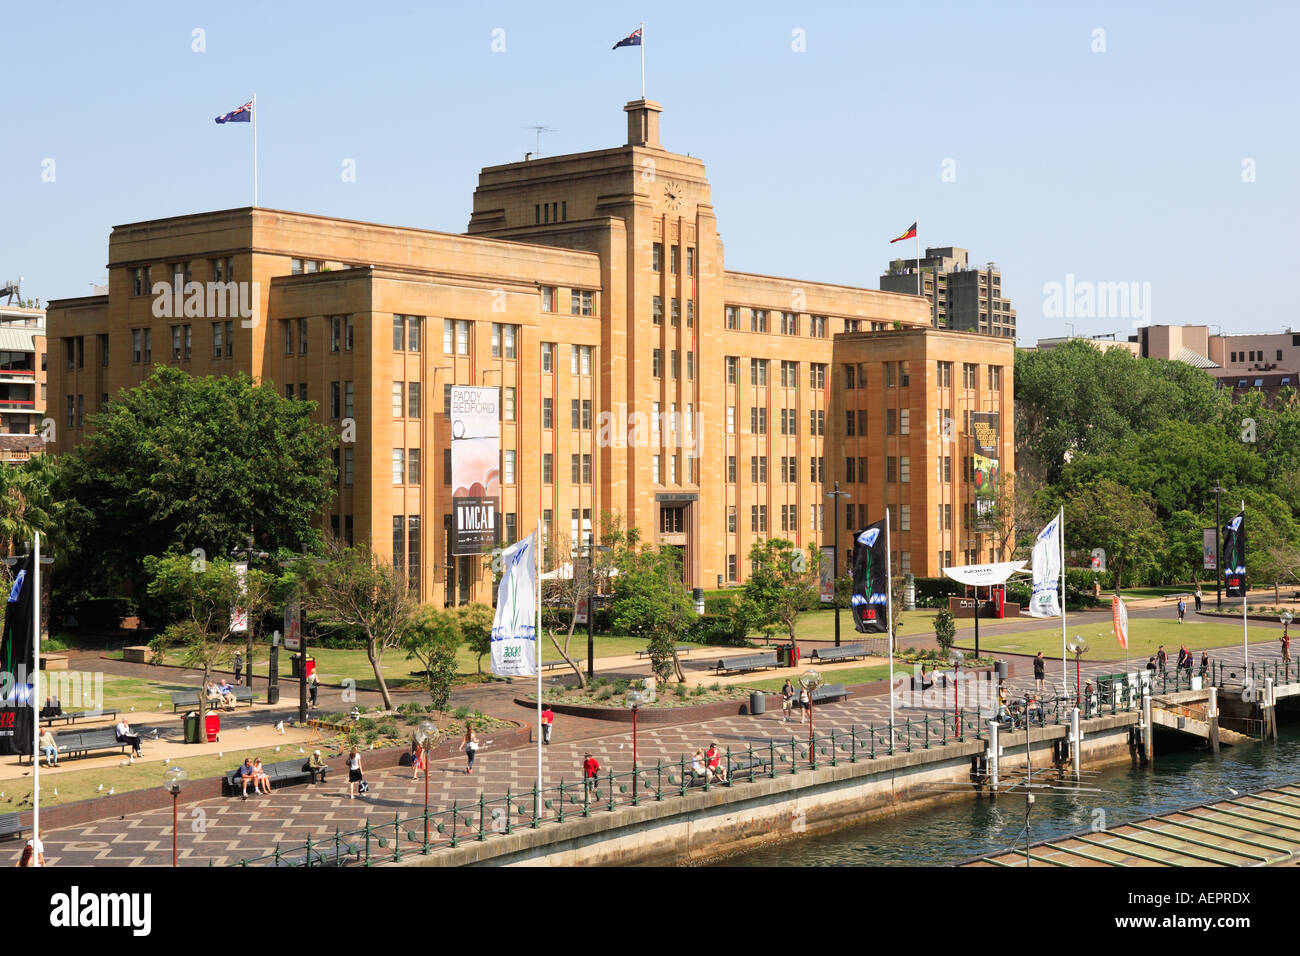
[{"x": 26, "y": 500}]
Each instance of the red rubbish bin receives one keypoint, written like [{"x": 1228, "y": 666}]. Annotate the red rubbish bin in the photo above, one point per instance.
[
  {"x": 795, "y": 652},
  {"x": 212, "y": 723},
  {"x": 311, "y": 667}
]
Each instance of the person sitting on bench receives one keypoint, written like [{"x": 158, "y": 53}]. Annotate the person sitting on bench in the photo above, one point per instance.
[
  {"x": 52, "y": 707},
  {"x": 124, "y": 736},
  {"x": 227, "y": 694},
  {"x": 246, "y": 776},
  {"x": 713, "y": 759},
  {"x": 317, "y": 767}
]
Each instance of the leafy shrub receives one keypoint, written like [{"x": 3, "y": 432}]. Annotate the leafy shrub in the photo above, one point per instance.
[
  {"x": 389, "y": 728},
  {"x": 365, "y": 724},
  {"x": 461, "y": 713},
  {"x": 606, "y": 693}
]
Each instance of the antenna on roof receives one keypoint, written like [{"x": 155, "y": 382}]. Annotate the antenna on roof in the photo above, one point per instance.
[{"x": 540, "y": 130}]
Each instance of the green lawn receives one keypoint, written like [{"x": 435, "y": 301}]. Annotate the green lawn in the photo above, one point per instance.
[
  {"x": 853, "y": 675},
  {"x": 1145, "y": 635}
]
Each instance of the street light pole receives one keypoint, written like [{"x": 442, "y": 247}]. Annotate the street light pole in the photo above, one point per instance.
[
  {"x": 835, "y": 565},
  {"x": 174, "y": 781},
  {"x": 424, "y": 733},
  {"x": 634, "y": 699}
]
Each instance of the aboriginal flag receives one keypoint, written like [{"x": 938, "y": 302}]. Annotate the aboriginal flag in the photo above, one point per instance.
[
  {"x": 870, "y": 580},
  {"x": 910, "y": 234},
  {"x": 16, "y": 665},
  {"x": 1234, "y": 556}
]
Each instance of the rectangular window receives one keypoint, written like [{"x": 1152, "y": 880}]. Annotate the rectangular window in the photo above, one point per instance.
[
  {"x": 850, "y": 419},
  {"x": 733, "y": 364},
  {"x": 302, "y": 336},
  {"x": 336, "y": 400},
  {"x": 413, "y": 466},
  {"x": 413, "y": 400},
  {"x": 508, "y": 404},
  {"x": 575, "y": 302},
  {"x": 413, "y": 553},
  {"x": 657, "y": 310},
  {"x": 575, "y": 469},
  {"x": 690, "y": 313},
  {"x": 399, "y": 394},
  {"x": 349, "y": 399},
  {"x": 655, "y": 461},
  {"x": 349, "y": 333},
  {"x": 789, "y": 323},
  {"x": 657, "y": 257},
  {"x": 905, "y": 469},
  {"x": 731, "y": 469},
  {"x": 656, "y": 363},
  {"x": 399, "y": 542},
  {"x": 217, "y": 346},
  {"x": 230, "y": 339},
  {"x": 548, "y": 468},
  {"x": 731, "y": 567},
  {"x": 548, "y": 356},
  {"x": 905, "y": 518},
  {"x": 673, "y": 258},
  {"x": 508, "y": 468},
  {"x": 789, "y": 374},
  {"x": 731, "y": 419},
  {"x": 336, "y": 332},
  {"x": 676, "y": 363},
  {"x": 817, "y": 375},
  {"x": 945, "y": 374},
  {"x": 731, "y": 317},
  {"x": 347, "y": 466},
  {"x": 548, "y": 299},
  {"x": 413, "y": 333},
  {"x": 995, "y": 377},
  {"x": 462, "y": 337},
  {"x": 573, "y": 414},
  {"x": 548, "y": 413},
  {"x": 758, "y": 371},
  {"x": 850, "y": 376},
  {"x": 399, "y": 465},
  {"x": 758, "y": 320}
]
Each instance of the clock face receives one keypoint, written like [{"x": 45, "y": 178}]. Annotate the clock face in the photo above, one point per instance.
[{"x": 673, "y": 194}]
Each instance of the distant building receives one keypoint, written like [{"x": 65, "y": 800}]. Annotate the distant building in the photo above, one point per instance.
[
  {"x": 961, "y": 298},
  {"x": 22, "y": 370}
]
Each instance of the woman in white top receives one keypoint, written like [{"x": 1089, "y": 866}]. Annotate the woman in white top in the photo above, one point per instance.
[
  {"x": 803, "y": 704},
  {"x": 354, "y": 773}
]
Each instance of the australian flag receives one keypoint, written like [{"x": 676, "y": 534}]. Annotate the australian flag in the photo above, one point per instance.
[
  {"x": 633, "y": 39},
  {"x": 245, "y": 113}
]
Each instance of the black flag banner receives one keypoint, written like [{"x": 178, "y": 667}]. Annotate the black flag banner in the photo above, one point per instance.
[
  {"x": 1234, "y": 556},
  {"x": 16, "y": 665},
  {"x": 870, "y": 582}
]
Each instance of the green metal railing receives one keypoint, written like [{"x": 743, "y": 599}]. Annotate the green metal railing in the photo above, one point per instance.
[{"x": 390, "y": 841}]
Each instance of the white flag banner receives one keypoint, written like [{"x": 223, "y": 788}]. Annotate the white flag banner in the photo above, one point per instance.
[
  {"x": 1119, "y": 616},
  {"x": 514, "y": 645},
  {"x": 1046, "y": 562}
]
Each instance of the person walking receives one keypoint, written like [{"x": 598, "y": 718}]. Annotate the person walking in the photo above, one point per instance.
[
  {"x": 787, "y": 700},
  {"x": 239, "y": 667},
  {"x": 548, "y": 718},
  {"x": 419, "y": 761},
  {"x": 1040, "y": 672},
  {"x": 590, "y": 772},
  {"x": 1286, "y": 647},
  {"x": 804, "y": 702},
  {"x": 313, "y": 688},
  {"x": 356, "y": 776},
  {"x": 1198, "y": 597},
  {"x": 1182, "y": 609},
  {"x": 1205, "y": 663},
  {"x": 1162, "y": 659},
  {"x": 470, "y": 746}
]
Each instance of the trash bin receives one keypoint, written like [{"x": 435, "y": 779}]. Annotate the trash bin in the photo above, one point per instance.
[
  {"x": 783, "y": 655},
  {"x": 1000, "y": 668},
  {"x": 213, "y": 722},
  {"x": 311, "y": 665},
  {"x": 273, "y": 694},
  {"x": 192, "y": 728},
  {"x": 295, "y": 665},
  {"x": 757, "y": 702}
]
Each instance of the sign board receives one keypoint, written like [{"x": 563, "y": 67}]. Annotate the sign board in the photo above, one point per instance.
[
  {"x": 985, "y": 439},
  {"x": 826, "y": 579},
  {"x": 1209, "y": 549},
  {"x": 293, "y": 626},
  {"x": 238, "y": 614},
  {"x": 580, "y": 615},
  {"x": 475, "y": 468}
]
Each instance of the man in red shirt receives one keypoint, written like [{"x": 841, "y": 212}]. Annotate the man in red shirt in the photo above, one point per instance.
[
  {"x": 548, "y": 718},
  {"x": 590, "y": 771}
]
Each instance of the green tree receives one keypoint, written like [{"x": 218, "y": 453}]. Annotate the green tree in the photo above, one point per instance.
[
  {"x": 783, "y": 582},
  {"x": 432, "y": 637},
  {"x": 27, "y": 503},
  {"x": 476, "y": 628},
  {"x": 356, "y": 587},
  {"x": 179, "y": 463},
  {"x": 1105, "y": 514},
  {"x": 199, "y": 596},
  {"x": 945, "y": 629},
  {"x": 650, "y": 599}
]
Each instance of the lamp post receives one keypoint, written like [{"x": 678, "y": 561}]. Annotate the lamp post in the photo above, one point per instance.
[
  {"x": 956, "y": 689},
  {"x": 810, "y": 681},
  {"x": 592, "y": 549},
  {"x": 246, "y": 554},
  {"x": 174, "y": 781},
  {"x": 424, "y": 734},
  {"x": 1286, "y": 642},
  {"x": 835, "y": 565},
  {"x": 1078, "y": 648},
  {"x": 634, "y": 700},
  {"x": 1218, "y": 549}
]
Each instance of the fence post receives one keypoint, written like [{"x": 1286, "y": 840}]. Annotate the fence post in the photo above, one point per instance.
[
  {"x": 482, "y": 834},
  {"x": 771, "y": 759},
  {"x": 455, "y": 842},
  {"x": 834, "y": 752},
  {"x": 510, "y": 812},
  {"x": 927, "y": 732},
  {"x": 611, "y": 789},
  {"x": 659, "y": 779},
  {"x": 397, "y": 838},
  {"x": 794, "y": 753},
  {"x": 853, "y": 743},
  {"x": 871, "y": 729},
  {"x": 728, "y": 764},
  {"x": 587, "y": 784},
  {"x": 537, "y": 805},
  {"x": 560, "y": 814},
  {"x": 682, "y": 778}
]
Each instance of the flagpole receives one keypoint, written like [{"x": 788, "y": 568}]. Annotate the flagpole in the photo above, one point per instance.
[
  {"x": 1065, "y": 667},
  {"x": 36, "y": 691},
  {"x": 254, "y": 150},
  {"x": 642, "y": 97},
  {"x": 917, "y": 237},
  {"x": 1245, "y": 645},
  {"x": 537, "y": 641},
  {"x": 889, "y": 623}
]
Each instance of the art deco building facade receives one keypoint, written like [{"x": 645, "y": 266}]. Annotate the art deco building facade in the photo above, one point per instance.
[{"x": 639, "y": 376}]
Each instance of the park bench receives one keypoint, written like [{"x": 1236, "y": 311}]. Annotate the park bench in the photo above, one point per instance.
[
  {"x": 73, "y": 717},
  {"x": 190, "y": 698},
  {"x": 81, "y": 742},
  {"x": 282, "y": 771},
  {"x": 10, "y": 826},
  {"x": 339, "y": 855},
  {"x": 737, "y": 767},
  {"x": 844, "y": 652},
  {"x": 749, "y": 662},
  {"x": 683, "y": 649},
  {"x": 829, "y": 692}
]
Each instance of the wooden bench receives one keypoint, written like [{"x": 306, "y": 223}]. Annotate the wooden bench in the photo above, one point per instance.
[
  {"x": 339, "y": 855},
  {"x": 750, "y": 662},
  {"x": 190, "y": 698},
  {"x": 737, "y": 766},
  {"x": 72, "y": 718},
  {"x": 844, "y": 652},
  {"x": 829, "y": 692},
  {"x": 282, "y": 771},
  {"x": 81, "y": 742},
  {"x": 683, "y": 649},
  {"x": 10, "y": 826}
]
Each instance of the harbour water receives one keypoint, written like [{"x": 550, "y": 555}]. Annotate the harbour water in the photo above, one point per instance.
[{"x": 966, "y": 828}]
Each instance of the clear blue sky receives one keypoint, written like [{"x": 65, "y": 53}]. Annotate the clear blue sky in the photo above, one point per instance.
[{"x": 1123, "y": 165}]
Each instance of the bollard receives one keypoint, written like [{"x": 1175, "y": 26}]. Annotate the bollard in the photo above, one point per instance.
[
  {"x": 1148, "y": 735},
  {"x": 993, "y": 757},
  {"x": 1212, "y": 717}
]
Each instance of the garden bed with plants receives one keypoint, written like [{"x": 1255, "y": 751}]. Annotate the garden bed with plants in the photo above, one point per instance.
[
  {"x": 606, "y": 699},
  {"x": 1254, "y": 612},
  {"x": 378, "y": 728}
]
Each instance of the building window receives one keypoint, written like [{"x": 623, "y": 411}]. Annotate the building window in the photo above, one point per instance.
[
  {"x": 731, "y": 469},
  {"x": 731, "y": 567},
  {"x": 548, "y": 356},
  {"x": 945, "y": 374},
  {"x": 904, "y": 469},
  {"x": 995, "y": 378},
  {"x": 968, "y": 373},
  {"x": 817, "y": 375},
  {"x": 676, "y": 312},
  {"x": 657, "y": 257},
  {"x": 758, "y": 371},
  {"x": 399, "y": 465},
  {"x": 548, "y": 413},
  {"x": 508, "y": 468},
  {"x": 655, "y": 473},
  {"x": 399, "y": 542},
  {"x": 849, "y": 419},
  {"x": 548, "y": 468},
  {"x": 690, "y": 313},
  {"x": 413, "y": 400},
  {"x": 399, "y": 393},
  {"x": 508, "y": 405},
  {"x": 347, "y": 466},
  {"x": 690, "y": 260},
  {"x": 336, "y": 401},
  {"x": 789, "y": 323},
  {"x": 758, "y": 320},
  {"x": 657, "y": 310},
  {"x": 731, "y": 317},
  {"x": 817, "y": 326},
  {"x": 733, "y": 363},
  {"x": 656, "y": 363},
  {"x": 349, "y": 395},
  {"x": 217, "y": 345},
  {"x": 789, "y": 374}
]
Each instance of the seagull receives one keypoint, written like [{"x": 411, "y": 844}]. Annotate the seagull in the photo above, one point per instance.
[
  {"x": 277, "y": 749},
  {"x": 97, "y": 789},
  {"x": 301, "y": 751},
  {"x": 1233, "y": 792},
  {"x": 56, "y": 791},
  {"x": 279, "y": 726},
  {"x": 110, "y": 791},
  {"x": 167, "y": 761},
  {"x": 220, "y": 754},
  {"x": 133, "y": 710}
]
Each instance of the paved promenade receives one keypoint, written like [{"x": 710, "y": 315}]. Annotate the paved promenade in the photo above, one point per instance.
[{"x": 221, "y": 831}]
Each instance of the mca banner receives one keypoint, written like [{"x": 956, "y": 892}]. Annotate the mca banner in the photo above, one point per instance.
[
  {"x": 1046, "y": 564},
  {"x": 986, "y": 435},
  {"x": 16, "y": 664},
  {"x": 1234, "y": 556},
  {"x": 870, "y": 580},
  {"x": 475, "y": 468},
  {"x": 514, "y": 629}
]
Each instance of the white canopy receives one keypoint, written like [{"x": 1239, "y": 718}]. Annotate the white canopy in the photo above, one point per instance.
[
  {"x": 565, "y": 573},
  {"x": 983, "y": 575}
]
